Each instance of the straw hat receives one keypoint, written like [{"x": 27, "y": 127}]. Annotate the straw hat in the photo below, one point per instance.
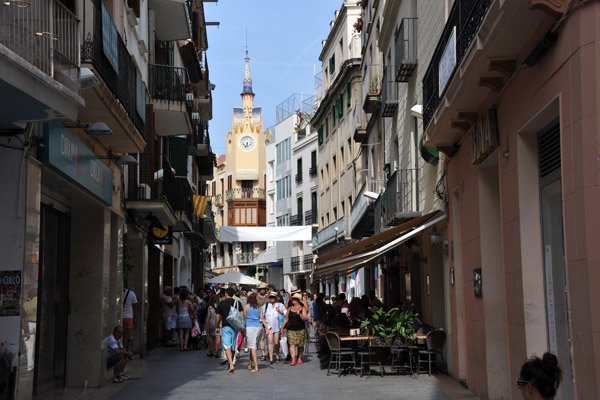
[
  {"x": 294, "y": 289},
  {"x": 262, "y": 285},
  {"x": 298, "y": 297},
  {"x": 273, "y": 294}
]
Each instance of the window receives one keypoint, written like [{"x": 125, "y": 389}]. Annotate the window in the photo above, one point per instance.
[
  {"x": 335, "y": 214},
  {"x": 327, "y": 172},
  {"x": 214, "y": 188},
  {"x": 299, "y": 167},
  {"x": 110, "y": 37},
  {"x": 284, "y": 187},
  {"x": 350, "y": 148},
  {"x": 342, "y": 165},
  {"x": 229, "y": 182},
  {"x": 284, "y": 151},
  {"x": 284, "y": 220},
  {"x": 320, "y": 132},
  {"x": 348, "y": 94},
  {"x": 222, "y": 186},
  {"x": 350, "y": 201},
  {"x": 334, "y": 165},
  {"x": 332, "y": 65},
  {"x": 326, "y": 128},
  {"x": 343, "y": 209},
  {"x": 313, "y": 159}
]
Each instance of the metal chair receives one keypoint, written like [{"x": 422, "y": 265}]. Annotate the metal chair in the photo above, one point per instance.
[
  {"x": 313, "y": 337},
  {"x": 436, "y": 341},
  {"x": 401, "y": 347},
  {"x": 338, "y": 353}
]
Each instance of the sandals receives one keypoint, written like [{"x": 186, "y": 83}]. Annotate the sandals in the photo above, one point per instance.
[
  {"x": 277, "y": 358},
  {"x": 209, "y": 354},
  {"x": 263, "y": 358}
]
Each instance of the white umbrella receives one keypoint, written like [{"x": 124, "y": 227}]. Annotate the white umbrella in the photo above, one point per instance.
[{"x": 234, "y": 277}]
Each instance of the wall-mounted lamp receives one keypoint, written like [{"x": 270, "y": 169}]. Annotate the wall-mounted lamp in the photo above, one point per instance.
[
  {"x": 417, "y": 111},
  {"x": 434, "y": 237}
]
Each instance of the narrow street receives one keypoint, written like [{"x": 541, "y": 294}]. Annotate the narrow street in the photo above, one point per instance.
[{"x": 167, "y": 373}]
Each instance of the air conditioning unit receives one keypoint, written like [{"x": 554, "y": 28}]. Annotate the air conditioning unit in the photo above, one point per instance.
[{"x": 144, "y": 191}]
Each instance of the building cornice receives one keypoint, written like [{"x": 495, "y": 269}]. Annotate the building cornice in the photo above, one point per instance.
[{"x": 348, "y": 67}]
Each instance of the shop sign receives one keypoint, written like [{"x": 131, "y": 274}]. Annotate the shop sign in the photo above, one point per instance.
[
  {"x": 161, "y": 234},
  {"x": 65, "y": 152},
  {"x": 447, "y": 62},
  {"x": 10, "y": 293},
  {"x": 484, "y": 137}
]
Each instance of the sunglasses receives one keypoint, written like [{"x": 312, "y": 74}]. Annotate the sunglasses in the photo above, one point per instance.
[{"x": 521, "y": 383}]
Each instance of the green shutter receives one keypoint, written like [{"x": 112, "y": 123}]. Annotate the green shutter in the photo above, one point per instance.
[
  {"x": 326, "y": 128},
  {"x": 348, "y": 94},
  {"x": 333, "y": 114},
  {"x": 320, "y": 132},
  {"x": 179, "y": 156}
]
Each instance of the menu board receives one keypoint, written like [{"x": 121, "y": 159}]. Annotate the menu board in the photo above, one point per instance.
[{"x": 10, "y": 293}]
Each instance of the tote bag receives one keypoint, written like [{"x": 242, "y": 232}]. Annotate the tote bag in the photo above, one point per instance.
[{"x": 235, "y": 318}]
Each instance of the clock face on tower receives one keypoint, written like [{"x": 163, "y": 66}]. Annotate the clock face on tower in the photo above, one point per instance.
[{"x": 247, "y": 143}]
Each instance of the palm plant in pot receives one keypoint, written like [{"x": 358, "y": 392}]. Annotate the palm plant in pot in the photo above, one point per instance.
[{"x": 389, "y": 325}]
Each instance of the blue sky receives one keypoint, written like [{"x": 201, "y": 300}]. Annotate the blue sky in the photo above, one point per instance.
[{"x": 284, "y": 43}]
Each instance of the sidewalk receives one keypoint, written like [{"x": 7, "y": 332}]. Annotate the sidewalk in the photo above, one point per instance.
[{"x": 167, "y": 373}]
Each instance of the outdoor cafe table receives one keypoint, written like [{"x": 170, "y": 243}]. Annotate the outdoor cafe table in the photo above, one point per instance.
[{"x": 360, "y": 338}]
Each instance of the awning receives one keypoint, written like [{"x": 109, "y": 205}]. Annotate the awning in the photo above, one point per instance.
[
  {"x": 171, "y": 21},
  {"x": 356, "y": 255},
  {"x": 265, "y": 233},
  {"x": 268, "y": 256}
]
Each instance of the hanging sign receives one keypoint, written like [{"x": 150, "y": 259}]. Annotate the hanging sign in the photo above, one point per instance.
[{"x": 161, "y": 234}]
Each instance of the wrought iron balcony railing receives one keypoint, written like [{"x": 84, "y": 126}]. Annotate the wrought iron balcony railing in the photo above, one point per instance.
[
  {"x": 389, "y": 93},
  {"x": 402, "y": 196},
  {"x": 461, "y": 28},
  {"x": 362, "y": 203},
  {"x": 107, "y": 52},
  {"x": 310, "y": 218},
  {"x": 331, "y": 233},
  {"x": 299, "y": 177},
  {"x": 255, "y": 193},
  {"x": 312, "y": 171},
  {"x": 45, "y": 34},
  {"x": 167, "y": 82},
  {"x": 406, "y": 49}
]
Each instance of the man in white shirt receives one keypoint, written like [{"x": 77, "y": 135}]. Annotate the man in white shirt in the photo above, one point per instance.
[
  {"x": 129, "y": 315},
  {"x": 116, "y": 355}
]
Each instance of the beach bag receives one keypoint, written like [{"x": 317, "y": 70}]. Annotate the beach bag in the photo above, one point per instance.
[
  {"x": 283, "y": 345},
  {"x": 235, "y": 318}
]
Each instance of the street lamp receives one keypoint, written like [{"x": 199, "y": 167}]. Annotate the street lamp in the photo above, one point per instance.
[{"x": 434, "y": 237}]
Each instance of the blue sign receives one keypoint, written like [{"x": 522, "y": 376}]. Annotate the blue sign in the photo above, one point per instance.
[{"x": 65, "y": 152}]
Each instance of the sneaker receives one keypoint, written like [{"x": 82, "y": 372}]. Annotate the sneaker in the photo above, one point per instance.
[
  {"x": 125, "y": 377},
  {"x": 293, "y": 363},
  {"x": 246, "y": 350},
  {"x": 117, "y": 379},
  {"x": 299, "y": 361},
  {"x": 236, "y": 355}
]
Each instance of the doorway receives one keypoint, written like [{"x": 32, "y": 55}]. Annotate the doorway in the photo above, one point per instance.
[
  {"x": 53, "y": 300},
  {"x": 557, "y": 305}
]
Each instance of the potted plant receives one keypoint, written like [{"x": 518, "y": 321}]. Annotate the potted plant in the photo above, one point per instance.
[
  {"x": 374, "y": 84},
  {"x": 389, "y": 325},
  {"x": 302, "y": 119},
  {"x": 359, "y": 22}
]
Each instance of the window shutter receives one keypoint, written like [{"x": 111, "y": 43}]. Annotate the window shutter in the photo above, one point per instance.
[
  {"x": 348, "y": 94},
  {"x": 320, "y": 132}
]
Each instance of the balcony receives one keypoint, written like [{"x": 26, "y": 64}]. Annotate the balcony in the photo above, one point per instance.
[
  {"x": 486, "y": 41},
  {"x": 172, "y": 19},
  {"x": 406, "y": 50},
  {"x": 119, "y": 99},
  {"x": 238, "y": 193},
  {"x": 168, "y": 93},
  {"x": 299, "y": 177},
  {"x": 310, "y": 218},
  {"x": 312, "y": 171},
  {"x": 299, "y": 264},
  {"x": 39, "y": 60},
  {"x": 203, "y": 148},
  {"x": 218, "y": 200},
  {"x": 156, "y": 198},
  {"x": 330, "y": 234},
  {"x": 206, "y": 166},
  {"x": 359, "y": 122},
  {"x": 372, "y": 88},
  {"x": 209, "y": 227},
  {"x": 402, "y": 197},
  {"x": 389, "y": 93},
  {"x": 362, "y": 214},
  {"x": 244, "y": 258}
]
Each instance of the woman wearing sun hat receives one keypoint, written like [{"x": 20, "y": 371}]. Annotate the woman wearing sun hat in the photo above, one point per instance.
[
  {"x": 294, "y": 325},
  {"x": 272, "y": 310}
]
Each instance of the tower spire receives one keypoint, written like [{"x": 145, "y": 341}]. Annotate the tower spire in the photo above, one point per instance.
[{"x": 247, "y": 79}]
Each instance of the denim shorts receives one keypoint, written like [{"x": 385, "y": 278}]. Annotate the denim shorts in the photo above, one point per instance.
[{"x": 113, "y": 360}]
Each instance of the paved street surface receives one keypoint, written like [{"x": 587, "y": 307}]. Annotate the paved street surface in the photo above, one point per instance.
[{"x": 168, "y": 373}]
